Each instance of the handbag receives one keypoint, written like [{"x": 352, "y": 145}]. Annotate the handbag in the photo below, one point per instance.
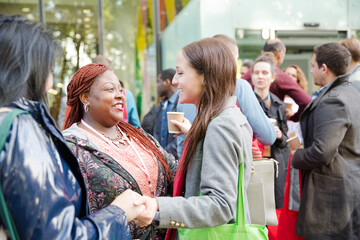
[
  {"x": 237, "y": 230},
  {"x": 5, "y": 214},
  {"x": 261, "y": 192},
  {"x": 287, "y": 218}
]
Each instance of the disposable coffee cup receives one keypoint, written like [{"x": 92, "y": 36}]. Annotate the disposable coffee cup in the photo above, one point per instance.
[
  {"x": 273, "y": 121},
  {"x": 178, "y": 116},
  {"x": 294, "y": 142},
  {"x": 288, "y": 105}
]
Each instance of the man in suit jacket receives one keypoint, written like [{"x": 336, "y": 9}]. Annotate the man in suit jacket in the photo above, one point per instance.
[{"x": 330, "y": 159}]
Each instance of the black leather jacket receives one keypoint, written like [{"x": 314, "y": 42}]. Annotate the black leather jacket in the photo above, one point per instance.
[{"x": 43, "y": 186}]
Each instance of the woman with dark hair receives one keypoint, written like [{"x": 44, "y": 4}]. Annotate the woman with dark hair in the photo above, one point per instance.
[
  {"x": 218, "y": 141},
  {"x": 40, "y": 178},
  {"x": 113, "y": 155},
  {"x": 263, "y": 74}
]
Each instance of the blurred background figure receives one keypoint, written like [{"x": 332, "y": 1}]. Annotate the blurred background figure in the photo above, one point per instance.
[
  {"x": 263, "y": 74},
  {"x": 353, "y": 45},
  {"x": 294, "y": 129},
  {"x": 283, "y": 84},
  {"x": 246, "y": 65},
  {"x": 295, "y": 72},
  {"x": 170, "y": 96}
]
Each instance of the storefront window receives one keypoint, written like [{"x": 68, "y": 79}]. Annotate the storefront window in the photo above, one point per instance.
[
  {"x": 26, "y": 8},
  {"x": 120, "y": 19},
  {"x": 128, "y": 41},
  {"x": 74, "y": 24}
]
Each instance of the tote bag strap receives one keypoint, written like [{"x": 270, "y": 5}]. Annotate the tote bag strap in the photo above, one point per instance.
[
  {"x": 287, "y": 185},
  {"x": 240, "y": 211},
  {"x": 5, "y": 212}
]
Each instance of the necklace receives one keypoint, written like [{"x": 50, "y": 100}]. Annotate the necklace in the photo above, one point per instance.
[
  {"x": 119, "y": 139},
  {"x": 142, "y": 167}
]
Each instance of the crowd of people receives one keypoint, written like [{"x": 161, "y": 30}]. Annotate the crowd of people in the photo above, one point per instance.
[{"x": 106, "y": 176}]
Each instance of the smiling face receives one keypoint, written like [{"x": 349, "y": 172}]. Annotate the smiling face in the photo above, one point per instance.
[
  {"x": 106, "y": 100},
  {"x": 292, "y": 73},
  {"x": 188, "y": 80},
  {"x": 262, "y": 77}
]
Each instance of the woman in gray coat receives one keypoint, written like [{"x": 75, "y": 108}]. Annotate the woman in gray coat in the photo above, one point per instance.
[{"x": 217, "y": 142}]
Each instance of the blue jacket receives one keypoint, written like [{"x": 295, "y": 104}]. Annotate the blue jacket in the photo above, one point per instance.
[{"x": 43, "y": 186}]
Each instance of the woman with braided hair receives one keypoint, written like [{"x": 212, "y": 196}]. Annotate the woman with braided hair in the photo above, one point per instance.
[
  {"x": 113, "y": 155},
  {"x": 41, "y": 185}
]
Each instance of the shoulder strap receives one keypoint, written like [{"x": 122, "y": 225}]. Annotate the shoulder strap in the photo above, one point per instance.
[{"x": 5, "y": 213}]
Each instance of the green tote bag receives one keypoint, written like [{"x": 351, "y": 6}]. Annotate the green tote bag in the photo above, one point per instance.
[{"x": 239, "y": 230}]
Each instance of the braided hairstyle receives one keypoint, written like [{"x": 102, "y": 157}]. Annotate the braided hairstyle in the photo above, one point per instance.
[{"x": 81, "y": 83}]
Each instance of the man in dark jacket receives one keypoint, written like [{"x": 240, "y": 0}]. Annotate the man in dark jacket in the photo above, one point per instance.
[
  {"x": 330, "y": 160},
  {"x": 158, "y": 115}
]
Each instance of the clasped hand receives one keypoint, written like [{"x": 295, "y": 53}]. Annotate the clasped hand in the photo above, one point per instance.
[{"x": 140, "y": 209}]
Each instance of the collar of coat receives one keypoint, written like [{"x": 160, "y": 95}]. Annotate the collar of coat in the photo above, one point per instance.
[{"x": 339, "y": 80}]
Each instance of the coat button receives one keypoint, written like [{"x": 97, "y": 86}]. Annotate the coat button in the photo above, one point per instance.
[
  {"x": 172, "y": 223},
  {"x": 177, "y": 224},
  {"x": 182, "y": 225}
]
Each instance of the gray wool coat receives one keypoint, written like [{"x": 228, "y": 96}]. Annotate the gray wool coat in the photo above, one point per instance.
[
  {"x": 330, "y": 164},
  {"x": 213, "y": 171}
]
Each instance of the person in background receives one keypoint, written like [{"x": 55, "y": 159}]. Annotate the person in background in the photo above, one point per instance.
[
  {"x": 263, "y": 74},
  {"x": 113, "y": 155},
  {"x": 40, "y": 178},
  {"x": 246, "y": 65},
  {"x": 170, "y": 96},
  {"x": 283, "y": 84},
  {"x": 131, "y": 114},
  {"x": 353, "y": 45},
  {"x": 295, "y": 72},
  {"x": 329, "y": 161},
  {"x": 263, "y": 130},
  {"x": 294, "y": 129},
  {"x": 218, "y": 141}
]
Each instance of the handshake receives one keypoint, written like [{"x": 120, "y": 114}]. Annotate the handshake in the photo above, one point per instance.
[{"x": 140, "y": 209}]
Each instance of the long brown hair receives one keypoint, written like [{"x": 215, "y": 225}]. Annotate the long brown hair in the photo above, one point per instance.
[
  {"x": 81, "y": 83},
  {"x": 212, "y": 58}
]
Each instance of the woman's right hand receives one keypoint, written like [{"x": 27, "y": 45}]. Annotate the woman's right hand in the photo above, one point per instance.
[
  {"x": 125, "y": 201},
  {"x": 184, "y": 126}
]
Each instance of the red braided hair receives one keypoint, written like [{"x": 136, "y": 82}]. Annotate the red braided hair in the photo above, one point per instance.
[{"x": 81, "y": 83}]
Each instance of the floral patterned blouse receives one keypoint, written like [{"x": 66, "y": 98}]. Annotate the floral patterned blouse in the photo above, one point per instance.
[{"x": 105, "y": 178}]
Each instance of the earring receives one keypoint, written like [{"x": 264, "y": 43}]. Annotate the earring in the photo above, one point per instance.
[{"x": 86, "y": 107}]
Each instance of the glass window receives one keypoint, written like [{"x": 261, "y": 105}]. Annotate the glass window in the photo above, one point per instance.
[
  {"x": 74, "y": 24},
  {"x": 26, "y": 8}
]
